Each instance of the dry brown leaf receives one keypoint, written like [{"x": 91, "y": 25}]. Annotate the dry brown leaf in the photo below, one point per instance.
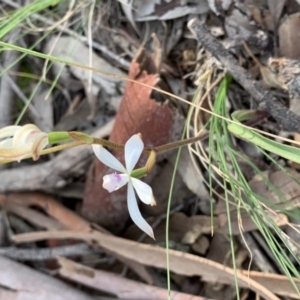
[
  {"x": 33, "y": 217},
  {"x": 201, "y": 245},
  {"x": 261, "y": 15},
  {"x": 182, "y": 229},
  {"x": 138, "y": 113},
  {"x": 191, "y": 176},
  {"x": 270, "y": 78},
  {"x": 289, "y": 39},
  {"x": 161, "y": 188},
  {"x": 240, "y": 221},
  {"x": 180, "y": 263},
  {"x": 276, "y": 7},
  {"x": 279, "y": 284},
  {"x": 288, "y": 195},
  {"x": 288, "y": 73},
  {"x": 70, "y": 48},
  {"x": 198, "y": 225},
  {"x": 67, "y": 218},
  {"x": 115, "y": 284},
  {"x": 63, "y": 218},
  {"x": 44, "y": 119},
  {"x": 136, "y": 10}
]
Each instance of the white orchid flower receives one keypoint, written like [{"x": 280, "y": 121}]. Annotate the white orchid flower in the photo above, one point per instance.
[
  {"x": 18, "y": 142},
  {"x": 112, "y": 182}
]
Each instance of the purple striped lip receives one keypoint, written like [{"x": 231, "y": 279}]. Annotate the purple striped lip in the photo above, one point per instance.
[{"x": 118, "y": 177}]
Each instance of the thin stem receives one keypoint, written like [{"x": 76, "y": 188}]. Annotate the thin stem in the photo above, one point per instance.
[
  {"x": 159, "y": 149},
  {"x": 62, "y": 147},
  {"x": 107, "y": 143},
  {"x": 174, "y": 145}
]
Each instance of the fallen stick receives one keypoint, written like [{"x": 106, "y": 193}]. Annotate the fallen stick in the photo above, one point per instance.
[{"x": 267, "y": 102}]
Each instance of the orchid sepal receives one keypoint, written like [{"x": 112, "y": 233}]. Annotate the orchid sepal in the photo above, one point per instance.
[{"x": 133, "y": 150}]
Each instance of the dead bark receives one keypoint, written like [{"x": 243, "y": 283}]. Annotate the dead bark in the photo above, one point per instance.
[
  {"x": 18, "y": 282},
  {"x": 266, "y": 101}
]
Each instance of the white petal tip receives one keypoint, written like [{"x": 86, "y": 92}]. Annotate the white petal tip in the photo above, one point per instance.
[
  {"x": 153, "y": 202},
  {"x": 152, "y": 235},
  {"x": 149, "y": 231}
]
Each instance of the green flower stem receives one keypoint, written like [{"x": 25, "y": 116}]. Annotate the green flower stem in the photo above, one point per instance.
[
  {"x": 56, "y": 137},
  {"x": 139, "y": 173}
]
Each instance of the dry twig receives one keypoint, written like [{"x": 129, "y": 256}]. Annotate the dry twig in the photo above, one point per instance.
[
  {"x": 46, "y": 253},
  {"x": 288, "y": 120},
  {"x": 21, "y": 282}
]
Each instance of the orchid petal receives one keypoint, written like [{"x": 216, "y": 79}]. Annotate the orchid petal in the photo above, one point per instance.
[
  {"x": 25, "y": 135},
  {"x": 144, "y": 191},
  {"x": 8, "y": 131},
  {"x": 108, "y": 159},
  {"x": 15, "y": 153},
  {"x": 113, "y": 182},
  {"x": 40, "y": 142},
  {"x": 134, "y": 212},
  {"x": 7, "y": 143},
  {"x": 133, "y": 150}
]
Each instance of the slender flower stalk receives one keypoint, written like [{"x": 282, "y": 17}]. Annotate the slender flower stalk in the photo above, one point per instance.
[
  {"x": 18, "y": 142},
  {"x": 112, "y": 182}
]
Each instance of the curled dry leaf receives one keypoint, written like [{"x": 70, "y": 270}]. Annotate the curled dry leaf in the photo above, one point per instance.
[{"x": 138, "y": 113}]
